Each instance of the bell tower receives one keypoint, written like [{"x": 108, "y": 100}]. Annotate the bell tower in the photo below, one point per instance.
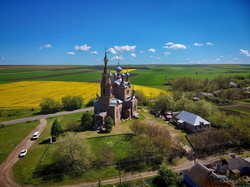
[{"x": 106, "y": 85}]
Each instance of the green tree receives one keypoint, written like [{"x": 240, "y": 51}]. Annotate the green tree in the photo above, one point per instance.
[
  {"x": 56, "y": 129},
  {"x": 72, "y": 102},
  {"x": 87, "y": 121},
  {"x": 108, "y": 124},
  {"x": 73, "y": 155},
  {"x": 49, "y": 105},
  {"x": 164, "y": 102},
  {"x": 168, "y": 177}
]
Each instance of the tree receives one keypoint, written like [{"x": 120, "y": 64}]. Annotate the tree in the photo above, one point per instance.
[
  {"x": 73, "y": 155},
  {"x": 56, "y": 129},
  {"x": 108, "y": 124},
  {"x": 49, "y": 105},
  {"x": 168, "y": 177},
  {"x": 72, "y": 102},
  {"x": 87, "y": 121}
]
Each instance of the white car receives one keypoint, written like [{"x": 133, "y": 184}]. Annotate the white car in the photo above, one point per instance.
[
  {"x": 35, "y": 135},
  {"x": 23, "y": 153}
]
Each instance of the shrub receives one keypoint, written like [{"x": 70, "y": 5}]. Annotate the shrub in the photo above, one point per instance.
[
  {"x": 87, "y": 121},
  {"x": 72, "y": 102},
  {"x": 108, "y": 124},
  {"x": 49, "y": 105}
]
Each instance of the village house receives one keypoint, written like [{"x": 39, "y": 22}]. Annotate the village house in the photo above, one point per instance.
[
  {"x": 117, "y": 98},
  {"x": 190, "y": 122},
  {"x": 200, "y": 176},
  {"x": 234, "y": 166}
]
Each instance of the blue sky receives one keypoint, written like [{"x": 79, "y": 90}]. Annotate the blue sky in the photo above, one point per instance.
[{"x": 76, "y": 32}]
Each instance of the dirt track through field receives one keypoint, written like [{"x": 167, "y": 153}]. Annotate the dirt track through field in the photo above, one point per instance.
[{"x": 6, "y": 174}]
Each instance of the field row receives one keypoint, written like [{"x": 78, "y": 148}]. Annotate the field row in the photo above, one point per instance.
[{"x": 29, "y": 94}]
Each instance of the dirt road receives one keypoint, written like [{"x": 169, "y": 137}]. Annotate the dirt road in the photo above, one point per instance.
[
  {"x": 6, "y": 174},
  {"x": 126, "y": 177},
  {"x": 22, "y": 120}
]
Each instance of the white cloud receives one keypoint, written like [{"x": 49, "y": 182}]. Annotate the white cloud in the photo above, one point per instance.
[
  {"x": 133, "y": 55},
  {"x": 151, "y": 56},
  {"x": 209, "y": 43},
  {"x": 125, "y": 48},
  {"x": 245, "y": 52},
  {"x": 2, "y": 58},
  {"x": 45, "y": 46},
  {"x": 158, "y": 58},
  {"x": 236, "y": 59},
  {"x": 166, "y": 53},
  {"x": 217, "y": 59},
  {"x": 171, "y": 45},
  {"x": 84, "y": 47},
  {"x": 198, "y": 44},
  {"x": 70, "y": 53},
  {"x": 117, "y": 58},
  {"x": 141, "y": 51},
  {"x": 112, "y": 51},
  {"x": 151, "y": 50},
  {"x": 94, "y": 52},
  {"x": 188, "y": 59}
]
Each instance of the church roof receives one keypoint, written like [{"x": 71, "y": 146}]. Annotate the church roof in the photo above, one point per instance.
[{"x": 115, "y": 101}]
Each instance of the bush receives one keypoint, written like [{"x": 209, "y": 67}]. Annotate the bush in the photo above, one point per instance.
[
  {"x": 72, "y": 102},
  {"x": 142, "y": 99},
  {"x": 108, "y": 124},
  {"x": 87, "y": 121},
  {"x": 49, "y": 105}
]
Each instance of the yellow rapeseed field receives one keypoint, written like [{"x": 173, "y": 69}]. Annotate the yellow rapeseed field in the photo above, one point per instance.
[{"x": 29, "y": 94}]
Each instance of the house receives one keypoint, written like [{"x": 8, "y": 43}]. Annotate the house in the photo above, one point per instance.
[
  {"x": 237, "y": 165},
  {"x": 200, "y": 176},
  {"x": 191, "y": 122},
  {"x": 117, "y": 98},
  {"x": 202, "y": 95},
  {"x": 232, "y": 85}
]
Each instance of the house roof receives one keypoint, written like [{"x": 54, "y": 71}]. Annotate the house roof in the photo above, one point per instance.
[
  {"x": 200, "y": 174},
  {"x": 235, "y": 163},
  {"x": 191, "y": 118}
]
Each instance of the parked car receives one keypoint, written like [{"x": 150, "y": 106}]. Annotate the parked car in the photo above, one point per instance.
[
  {"x": 35, "y": 135},
  {"x": 23, "y": 153}
]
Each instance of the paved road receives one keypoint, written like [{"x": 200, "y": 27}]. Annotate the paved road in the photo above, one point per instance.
[
  {"x": 22, "y": 120},
  {"x": 6, "y": 174}
]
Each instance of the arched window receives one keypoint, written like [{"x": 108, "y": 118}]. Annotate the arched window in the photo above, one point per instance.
[{"x": 103, "y": 91}]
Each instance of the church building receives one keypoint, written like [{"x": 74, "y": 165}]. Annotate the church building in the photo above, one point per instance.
[{"x": 117, "y": 98}]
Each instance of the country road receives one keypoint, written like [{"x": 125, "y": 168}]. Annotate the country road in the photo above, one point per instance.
[
  {"x": 6, "y": 174},
  {"x": 22, "y": 120}
]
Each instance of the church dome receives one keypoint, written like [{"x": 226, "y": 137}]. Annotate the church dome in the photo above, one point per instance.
[{"x": 118, "y": 69}]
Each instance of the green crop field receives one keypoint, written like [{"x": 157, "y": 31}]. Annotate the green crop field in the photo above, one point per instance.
[{"x": 150, "y": 75}]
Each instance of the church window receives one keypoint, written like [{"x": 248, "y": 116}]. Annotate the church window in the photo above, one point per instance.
[{"x": 103, "y": 91}]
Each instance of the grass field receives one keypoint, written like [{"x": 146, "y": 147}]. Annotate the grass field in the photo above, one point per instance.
[{"x": 11, "y": 135}]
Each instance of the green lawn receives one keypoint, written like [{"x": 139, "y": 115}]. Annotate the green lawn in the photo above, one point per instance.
[
  {"x": 6, "y": 115},
  {"x": 12, "y": 135}
]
